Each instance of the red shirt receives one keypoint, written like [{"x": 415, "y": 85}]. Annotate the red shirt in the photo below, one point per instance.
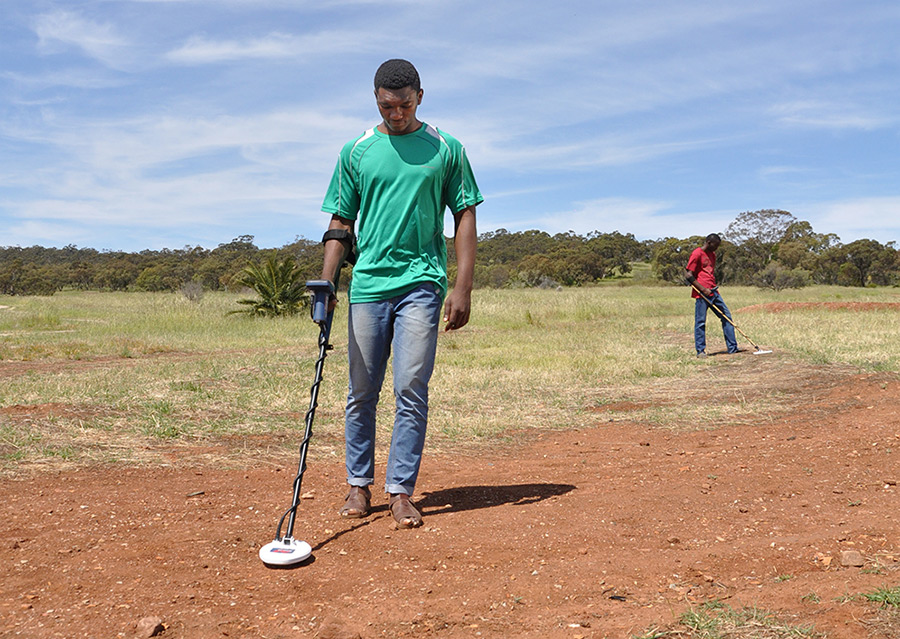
[{"x": 702, "y": 264}]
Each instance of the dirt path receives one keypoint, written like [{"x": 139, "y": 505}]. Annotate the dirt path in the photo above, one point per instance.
[{"x": 603, "y": 532}]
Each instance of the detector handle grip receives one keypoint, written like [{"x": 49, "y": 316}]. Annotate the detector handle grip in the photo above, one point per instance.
[{"x": 321, "y": 291}]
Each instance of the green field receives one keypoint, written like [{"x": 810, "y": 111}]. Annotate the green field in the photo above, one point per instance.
[{"x": 101, "y": 377}]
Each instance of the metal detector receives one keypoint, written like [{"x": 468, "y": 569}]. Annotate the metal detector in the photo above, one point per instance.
[
  {"x": 285, "y": 550},
  {"x": 721, "y": 315}
]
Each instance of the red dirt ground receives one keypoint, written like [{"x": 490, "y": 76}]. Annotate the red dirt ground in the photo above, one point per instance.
[{"x": 602, "y": 532}]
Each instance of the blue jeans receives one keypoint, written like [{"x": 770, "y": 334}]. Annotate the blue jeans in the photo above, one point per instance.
[
  {"x": 409, "y": 324},
  {"x": 700, "y": 308}
]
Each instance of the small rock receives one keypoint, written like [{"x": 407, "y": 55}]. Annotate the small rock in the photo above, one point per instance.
[
  {"x": 673, "y": 540},
  {"x": 824, "y": 559},
  {"x": 149, "y": 627},
  {"x": 852, "y": 559}
]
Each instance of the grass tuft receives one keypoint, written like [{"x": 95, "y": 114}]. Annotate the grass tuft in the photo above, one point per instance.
[
  {"x": 716, "y": 621},
  {"x": 887, "y": 597}
]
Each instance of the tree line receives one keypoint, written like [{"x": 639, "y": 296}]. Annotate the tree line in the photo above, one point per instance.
[
  {"x": 43, "y": 271},
  {"x": 768, "y": 248},
  {"x": 773, "y": 249}
]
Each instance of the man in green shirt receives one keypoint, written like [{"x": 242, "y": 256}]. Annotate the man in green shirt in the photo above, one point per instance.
[{"x": 391, "y": 188}]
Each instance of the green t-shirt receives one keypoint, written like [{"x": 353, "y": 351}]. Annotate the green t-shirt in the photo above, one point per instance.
[{"x": 396, "y": 188}]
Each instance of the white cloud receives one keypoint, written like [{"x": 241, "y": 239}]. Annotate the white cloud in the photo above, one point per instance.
[
  {"x": 155, "y": 173},
  {"x": 853, "y": 219},
  {"x": 645, "y": 219},
  {"x": 769, "y": 172},
  {"x": 640, "y": 217},
  {"x": 135, "y": 145},
  {"x": 820, "y": 114},
  {"x": 125, "y": 209},
  {"x": 276, "y": 45},
  {"x": 59, "y": 30},
  {"x": 74, "y": 78},
  {"x": 201, "y": 50},
  {"x": 503, "y": 140}
]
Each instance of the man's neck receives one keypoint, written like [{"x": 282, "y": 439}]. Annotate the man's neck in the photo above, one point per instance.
[{"x": 383, "y": 128}]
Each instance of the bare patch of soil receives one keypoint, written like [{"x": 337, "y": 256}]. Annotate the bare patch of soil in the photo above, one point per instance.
[
  {"x": 53, "y": 409},
  {"x": 601, "y": 532}
]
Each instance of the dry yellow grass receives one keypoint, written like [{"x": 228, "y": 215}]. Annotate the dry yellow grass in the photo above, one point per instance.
[{"x": 134, "y": 373}]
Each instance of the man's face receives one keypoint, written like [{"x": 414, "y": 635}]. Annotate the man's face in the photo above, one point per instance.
[
  {"x": 713, "y": 245},
  {"x": 398, "y": 109}
]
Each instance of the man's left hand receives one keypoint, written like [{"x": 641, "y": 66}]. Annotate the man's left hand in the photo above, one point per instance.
[{"x": 457, "y": 309}]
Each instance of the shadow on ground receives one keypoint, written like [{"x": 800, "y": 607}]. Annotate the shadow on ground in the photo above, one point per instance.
[{"x": 463, "y": 498}]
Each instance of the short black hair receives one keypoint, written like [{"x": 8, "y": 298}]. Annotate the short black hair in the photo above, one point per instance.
[
  {"x": 714, "y": 237},
  {"x": 397, "y": 74}
]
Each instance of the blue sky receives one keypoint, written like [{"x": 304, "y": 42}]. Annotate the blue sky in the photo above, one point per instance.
[{"x": 148, "y": 124}]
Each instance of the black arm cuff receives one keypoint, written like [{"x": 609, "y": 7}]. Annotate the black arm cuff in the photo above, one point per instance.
[
  {"x": 691, "y": 278},
  {"x": 339, "y": 234},
  {"x": 346, "y": 238}
]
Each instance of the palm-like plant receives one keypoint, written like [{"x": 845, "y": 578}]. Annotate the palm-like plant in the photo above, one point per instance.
[{"x": 281, "y": 289}]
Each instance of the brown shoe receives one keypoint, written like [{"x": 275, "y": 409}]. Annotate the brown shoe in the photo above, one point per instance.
[
  {"x": 404, "y": 513},
  {"x": 357, "y": 503}
]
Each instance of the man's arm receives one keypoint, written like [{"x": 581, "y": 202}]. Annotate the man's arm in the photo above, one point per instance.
[
  {"x": 336, "y": 252},
  {"x": 465, "y": 239},
  {"x": 691, "y": 278}
]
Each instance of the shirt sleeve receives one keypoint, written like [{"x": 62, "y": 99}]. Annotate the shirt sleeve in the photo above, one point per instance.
[
  {"x": 342, "y": 196},
  {"x": 460, "y": 189},
  {"x": 694, "y": 265}
]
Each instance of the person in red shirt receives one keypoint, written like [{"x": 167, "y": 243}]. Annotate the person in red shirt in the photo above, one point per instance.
[{"x": 701, "y": 275}]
